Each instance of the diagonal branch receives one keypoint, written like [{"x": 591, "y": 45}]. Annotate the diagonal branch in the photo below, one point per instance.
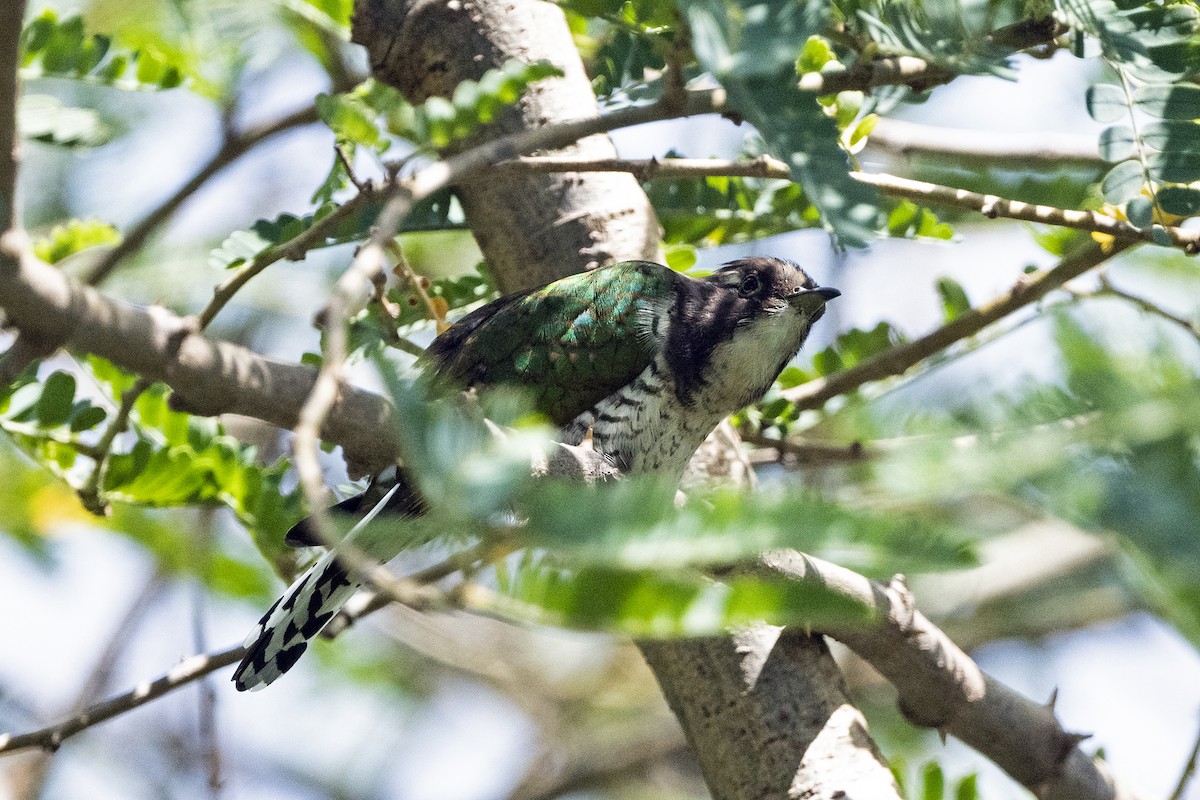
[
  {"x": 898, "y": 360},
  {"x": 189, "y": 670},
  {"x": 234, "y": 147},
  {"x": 939, "y": 686},
  {"x": 414, "y": 590}
]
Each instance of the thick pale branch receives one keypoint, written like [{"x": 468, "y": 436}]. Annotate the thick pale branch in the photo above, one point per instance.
[
  {"x": 939, "y": 686},
  {"x": 209, "y": 377}
]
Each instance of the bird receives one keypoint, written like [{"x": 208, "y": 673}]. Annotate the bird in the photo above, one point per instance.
[{"x": 646, "y": 360}]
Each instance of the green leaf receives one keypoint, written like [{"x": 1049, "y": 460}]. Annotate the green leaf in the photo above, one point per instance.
[
  {"x": 58, "y": 395},
  {"x": 242, "y": 247},
  {"x": 856, "y": 345},
  {"x": 1140, "y": 211},
  {"x": 1179, "y": 200},
  {"x": 659, "y": 603},
  {"x": 954, "y": 298},
  {"x": 627, "y": 57},
  {"x": 62, "y": 48},
  {"x": 1123, "y": 182},
  {"x": 633, "y": 524},
  {"x": 1106, "y": 102},
  {"x": 750, "y": 47},
  {"x": 1174, "y": 167},
  {"x": 1180, "y": 101},
  {"x": 1117, "y": 143},
  {"x": 439, "y": 121},
  {"x": 933, "y": 782},
  {"x": 351, "y": 119},
  {"x": 73, "y": 237},
  {"x": 88, "y": 418},
  {"x": 907, "y": 220},
  {"x": 681, "y": 257},
  {"x": 1176, "y": 136},
  {"x": 816, "y": 53},
  {"x": 967, "y": 788},
  {"x": 45, "y": 119}
]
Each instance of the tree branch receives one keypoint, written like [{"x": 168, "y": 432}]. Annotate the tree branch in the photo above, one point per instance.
[
  {"x": 899, "y": 359},
  {"x": 939, "y": 686},
  {"x": 1108, "y": 290},
  {"x": 991, "y": 206},
  {"x": 233, "y": 148},
  {"x": 414, "y": 591},
  {"x": 190, "y": 669},
  {"x": 12, "y": 15},
  {"x": 919, "y": 74},
  {"x": 209, "y": 377}
]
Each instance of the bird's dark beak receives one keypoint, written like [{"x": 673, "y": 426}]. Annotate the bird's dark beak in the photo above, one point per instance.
[{"x": 827, "y": 293}]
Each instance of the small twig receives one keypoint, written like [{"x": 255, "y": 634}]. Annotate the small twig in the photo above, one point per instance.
[
  {"x": 992, "y": 206},
  {"x": 91, "y": 494},
  {"x": 190, "y": 669},
  {"x": 488, "y": 552},
  {"x": 919, "y": 74},
  {"x": 416, "y": 283},
  {"x": 916, "y": 73},
  {"x": 807, "y": 453},
  {"x": 293, "y": 249},
  {"x": 346, "y": 165},
  {"x": 1189, "y": 769},
  {"x": 34, "y": 431},
  {"x": 1108, "y": 290}
]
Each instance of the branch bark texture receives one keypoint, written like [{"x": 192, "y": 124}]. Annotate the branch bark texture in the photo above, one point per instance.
[
  {"x": 531, "y": 228},
  {"x": 766, "y": 710},
  {"x": 11, "y": 16},
  {"x": 209, "y": 377},
  {"x": 939, "y": 686}
]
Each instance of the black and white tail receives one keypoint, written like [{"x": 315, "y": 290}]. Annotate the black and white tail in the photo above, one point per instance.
[{"x": 283, "y": 633}]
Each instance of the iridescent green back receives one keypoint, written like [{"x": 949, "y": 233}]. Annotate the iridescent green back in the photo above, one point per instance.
[{"x": 569, "y": 344}]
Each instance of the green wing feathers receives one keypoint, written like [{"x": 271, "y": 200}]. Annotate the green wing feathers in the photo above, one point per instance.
[{"x": 570, "y": 344}]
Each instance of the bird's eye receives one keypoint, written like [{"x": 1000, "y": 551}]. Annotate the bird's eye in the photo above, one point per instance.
[{"x": 749, "y": 285}]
